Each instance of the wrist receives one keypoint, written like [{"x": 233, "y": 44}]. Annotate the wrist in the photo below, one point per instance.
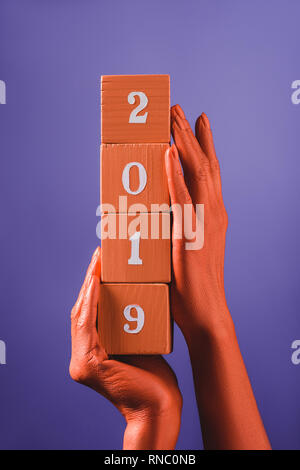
[
  {"x": 151, "y": 431},
  {"x": 155, "y": 427},
  {"x": 214, "y": 326}
]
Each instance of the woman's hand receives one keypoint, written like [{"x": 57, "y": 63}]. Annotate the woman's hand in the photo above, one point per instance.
[
  {"x": 227, "y": 408},
  {"x": 198, "y": 298},
  {"x": 143, "y": 388}
]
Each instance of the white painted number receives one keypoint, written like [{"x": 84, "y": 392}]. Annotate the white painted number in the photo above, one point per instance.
[
  {"x": 296, "y": 94},
  {"x": 2, "y": 92},
  {"x": 142, "y": 177},
  {"x": 139, "y": 319},
  {"x": 133, "y": 118},
  {"x": 135, "y": 249},
  {"x": 2, "y": 352}
]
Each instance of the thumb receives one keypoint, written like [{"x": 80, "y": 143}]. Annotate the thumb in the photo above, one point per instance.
[{"x": 88, "y": 313}]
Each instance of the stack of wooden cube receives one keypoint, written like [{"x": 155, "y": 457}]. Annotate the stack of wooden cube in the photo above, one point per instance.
[{"x": 134, "y": 311}]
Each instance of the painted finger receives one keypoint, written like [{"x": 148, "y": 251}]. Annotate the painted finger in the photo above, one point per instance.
[
  {"x": 177, "y": 188},
  {"x": 87, "y": 318},
  {"x": 192, "y": 156},
  {"x": 205, "y": 139},
  {"x": 182, "y": 206}
]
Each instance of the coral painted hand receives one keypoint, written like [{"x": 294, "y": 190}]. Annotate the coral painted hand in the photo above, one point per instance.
[
  {"x": 198, "y": 286},
  {"x": 227, "y": 407},
  {"x": 143, "y": 388}
]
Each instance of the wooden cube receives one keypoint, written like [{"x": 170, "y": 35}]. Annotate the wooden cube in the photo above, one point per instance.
[
  {"x": 135, "y": 319},
  {"x": 141, "y": 249},
  {"x": 136, "y": 171},
  {"x": 135, "y": 108}
]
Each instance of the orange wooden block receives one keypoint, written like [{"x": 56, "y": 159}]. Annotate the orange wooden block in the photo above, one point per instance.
[
  {"x": 135, "y": 319},
  {"x": 135, "y": 108},
  {"x": 140, "y": 251},
  {"x": 136, "y": 171}
]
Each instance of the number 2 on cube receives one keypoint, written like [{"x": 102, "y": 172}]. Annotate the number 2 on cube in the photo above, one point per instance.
[{"x": 134, "y": 118}]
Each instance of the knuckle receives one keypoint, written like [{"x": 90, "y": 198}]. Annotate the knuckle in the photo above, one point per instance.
[
  {"x": 78, "y": 373},
  {"x": 205, "y": 163},
  {"x": 215, "y": 166},
  {"x": 74, "y": 312},
  {"x": 178, "y": 399},
  {"x": 81, "y": 323},
  {"x": 85, "y": 303},
  {"x": 223, "y": 218},
  {"x": 201, "y": 172},
  {"x": 170, "y": 399},
  {"x": 183, "y": 195},
  {"x": 178, "y": 173}
]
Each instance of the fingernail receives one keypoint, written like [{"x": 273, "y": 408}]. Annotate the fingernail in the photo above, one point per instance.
[
  {"x": 96, "y": 252},
  {"x": 169, "y": 153},
  {"x": 89, "y": 286},
  {"x": 94, "y": 260},
  {"x": 205, "y": 121},
  {"x": 97, "y": 270},
  {"x": 179, "y": 121},
  {"x": 95, "y": 279},
  {"x": 178, "y": 118},
  {"x": 173, "y": 150},
  {"x": 179, "y": 111}
]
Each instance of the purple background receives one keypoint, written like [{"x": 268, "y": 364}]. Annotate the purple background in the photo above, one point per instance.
[{"x": 235, "y": 61}]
